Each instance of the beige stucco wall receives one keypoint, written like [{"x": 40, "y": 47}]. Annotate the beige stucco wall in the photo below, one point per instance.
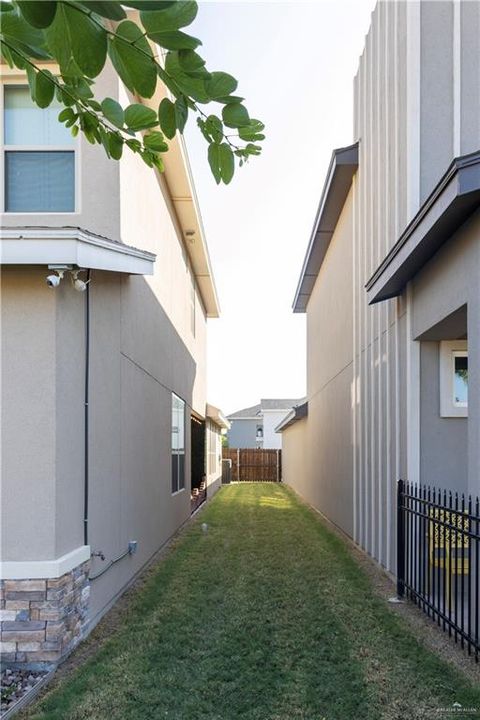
[
  {"x": 328, "y": 483},
  {"x": 295, "y": 458},
  {"x": 142, "y": 349}
]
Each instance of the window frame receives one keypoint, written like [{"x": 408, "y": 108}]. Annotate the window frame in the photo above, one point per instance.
[
  {"x": 20, "y": 81},
  {"x": 212, "y": 449},
  {"x": 175, "y": 452},
  {"x": 448, "y": 351}
]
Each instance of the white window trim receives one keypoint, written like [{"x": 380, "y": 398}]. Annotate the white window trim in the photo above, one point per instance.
[
  {"x": 21, "y": 81},
  {"x": 449, "y": 350},
  {"x": 179, "y": 489}
]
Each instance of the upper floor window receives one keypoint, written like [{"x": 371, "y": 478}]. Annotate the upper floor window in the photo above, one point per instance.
[{"x": 39, "y": 156}]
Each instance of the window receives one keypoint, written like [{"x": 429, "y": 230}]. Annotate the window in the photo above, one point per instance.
[
  {"x": 212, "y": 448},
  {"x": 178, "y": 444},
  {"x": 454, "y": 378},
  {"x": 460, "y": 379},
  {"x": 39, "y": 156}
]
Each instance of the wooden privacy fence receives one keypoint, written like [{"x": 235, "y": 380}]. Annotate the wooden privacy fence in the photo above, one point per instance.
[{"x": 254, "y": 465}]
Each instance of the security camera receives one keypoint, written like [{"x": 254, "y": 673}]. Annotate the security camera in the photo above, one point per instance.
[
  {"x": 79, "y": 285},
  {"x": 53, "y": 281}
]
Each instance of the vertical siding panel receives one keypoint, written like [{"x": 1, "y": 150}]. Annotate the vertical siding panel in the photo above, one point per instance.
[
  {"x": 470, "y": 77},
  {"x": 366, "y": 418}
]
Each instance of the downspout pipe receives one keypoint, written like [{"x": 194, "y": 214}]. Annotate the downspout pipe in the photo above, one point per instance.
[{"x": 86, "y": 412}]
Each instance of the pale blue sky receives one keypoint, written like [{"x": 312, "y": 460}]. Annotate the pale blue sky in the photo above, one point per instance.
[{"x": 295, "y": 63}]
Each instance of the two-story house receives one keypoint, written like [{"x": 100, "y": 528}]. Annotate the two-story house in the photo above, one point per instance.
[
  {"x": 390, "y": 285},
  {"x": 106, "y": 288},
  {"x": 255, "y": 427}
]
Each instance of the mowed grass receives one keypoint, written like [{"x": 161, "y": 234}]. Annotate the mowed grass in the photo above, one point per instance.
[{"x": 265, "y": 616}]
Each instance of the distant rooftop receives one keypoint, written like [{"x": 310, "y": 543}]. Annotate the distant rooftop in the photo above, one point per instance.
[{"x": 266, "y": 404}]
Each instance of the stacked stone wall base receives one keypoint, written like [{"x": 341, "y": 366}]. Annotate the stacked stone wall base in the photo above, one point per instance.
[{"x": 43, "y": 620}]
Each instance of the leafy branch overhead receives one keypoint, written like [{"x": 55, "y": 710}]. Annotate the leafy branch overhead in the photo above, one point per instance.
[{"x": 79, "y": 36}]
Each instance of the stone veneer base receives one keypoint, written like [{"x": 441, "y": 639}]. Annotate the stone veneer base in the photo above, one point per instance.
[{"x": 43, "y": 620}]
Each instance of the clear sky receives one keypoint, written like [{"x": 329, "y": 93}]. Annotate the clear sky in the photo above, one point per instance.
[{"x": 295, "y": 63}]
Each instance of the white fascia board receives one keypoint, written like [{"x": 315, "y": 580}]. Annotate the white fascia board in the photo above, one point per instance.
[
  {"x": 44, "y": 569},
  {"x": 71, "y": 246}
]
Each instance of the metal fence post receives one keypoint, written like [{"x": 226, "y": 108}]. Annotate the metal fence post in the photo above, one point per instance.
[
  {"x": 238, "y": 464},
  {"x": 400, "y": 540}
]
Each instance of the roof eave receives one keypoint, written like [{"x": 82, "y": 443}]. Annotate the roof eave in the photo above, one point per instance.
[
  {"x": 342, "y": 168},
  {"x": 455, "y": 197},
  {"x": 295, "y": 414},
  {"x": 71, "y": 246}
]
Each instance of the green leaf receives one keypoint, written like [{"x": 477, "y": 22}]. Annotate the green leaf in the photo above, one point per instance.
[
  {"x": 253, "y": 131},
  {"x": 214, "y": 127},
  {"x": 66, "y": 114},
  {"x": 220, "y": 84},
  {"x": 214, "y": 162},
  {"x": 134, "y": 144},
  {"x": 115, "y": 145},
  {"x": 45, "y": 89},
  {"x": 227, "y": 162},
  {"x": 107, "y": 9},
  {"x": 113, "y": 111},
  {"x": 166, "y": 114},
  {"x": 134, "y": 63},
  {"x": 174, "y": 17},
  {"x": 32, "y": 81},
  {"x": 181, "y": 113},
  {"x": 229, "y": 99},
  {"x": 155, "y": 141},
  {"x": 73, "y": 33},
  {"x": 140, "y": 117},
  {"x": 190, "y": 61},
  {"x": 17, "y": 28},
  {"x": 38, "y": 14},
  {"x": 175, "y": 40},
  {"x": 6, "y": 6},
  {"x": 190, "y": 86},
  {"x": 235, "y": 115}
]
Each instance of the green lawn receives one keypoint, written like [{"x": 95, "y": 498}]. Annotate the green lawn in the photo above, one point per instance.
[{"x": 264, "y": 617}]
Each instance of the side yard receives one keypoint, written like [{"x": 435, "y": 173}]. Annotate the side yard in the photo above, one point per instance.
[{"x": 265, "y": 616}]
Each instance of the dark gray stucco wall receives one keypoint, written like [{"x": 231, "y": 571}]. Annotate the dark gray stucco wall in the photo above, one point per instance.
[{"x": 443, "y": 441}]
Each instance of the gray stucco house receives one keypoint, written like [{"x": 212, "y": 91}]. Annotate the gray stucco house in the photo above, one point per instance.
[
  {"x": 254, "y": 427},
  {"x": 106, "y": 435},
  {"x": 391, "y": 282}
]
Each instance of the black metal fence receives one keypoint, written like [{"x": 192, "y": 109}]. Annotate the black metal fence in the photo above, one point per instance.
[{"x": 438, "y": 558}]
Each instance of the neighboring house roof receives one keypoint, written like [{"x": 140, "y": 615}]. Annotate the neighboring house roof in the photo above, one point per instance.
[
  {"x": 71, "y": 246},
  {"x": 265, "y": 404},
  {"x": 341, "y": 170},
  {"x": 246, "y": 413},
  {"x": 293, "y": 416},
  {"x": 216, "y": 415},
  {"x": 269, "y": 404},
  {"x": 453, "y": 200}
]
